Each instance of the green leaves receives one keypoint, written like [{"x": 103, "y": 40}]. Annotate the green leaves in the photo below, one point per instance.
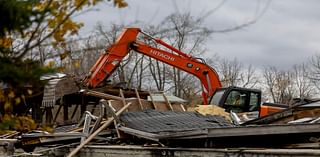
[{"x": 25, "y": 26}]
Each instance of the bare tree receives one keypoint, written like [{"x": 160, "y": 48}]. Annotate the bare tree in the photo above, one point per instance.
[
  {"x": 302, "y": 82},
  {"x": 249, "y": 77},
  {"x": 278, "y": 85},
  {"x": 315, "y": 71},
  {"x": 234, "y": 73},
  {"x": 157, "y": 71},
  {"x": 230, "y": 72},
  {"x": 188, "y": 36}
]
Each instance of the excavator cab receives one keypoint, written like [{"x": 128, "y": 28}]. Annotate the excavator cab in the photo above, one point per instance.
[
  {"x": 237, "y": 99},
  {"x": 240, "y": 100}
]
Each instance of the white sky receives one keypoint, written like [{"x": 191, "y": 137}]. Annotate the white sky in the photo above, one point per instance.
[{"x": 288, "y": 32}]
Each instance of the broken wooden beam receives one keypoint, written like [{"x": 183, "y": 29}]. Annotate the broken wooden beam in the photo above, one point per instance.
[
  {"x": 108, "y": 122},
  {"x": 100, "y": 95},
  {"x": 112, "y": 111}
]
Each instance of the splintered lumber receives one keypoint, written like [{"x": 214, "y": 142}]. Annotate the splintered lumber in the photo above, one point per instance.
[
  {"x": 101, "y": 95},
  {"x": 117, "y": 104},
  {"x": 111, "y": 110},
  {"x": 108, "y": 122}
]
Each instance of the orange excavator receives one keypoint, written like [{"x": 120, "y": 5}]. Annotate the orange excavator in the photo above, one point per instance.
[{"x": 212, "y": 91}]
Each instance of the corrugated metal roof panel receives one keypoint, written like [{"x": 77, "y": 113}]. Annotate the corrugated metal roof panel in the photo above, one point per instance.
[
  {"x": 52, "y": 76},
  {"x": 171, "y": 98}
]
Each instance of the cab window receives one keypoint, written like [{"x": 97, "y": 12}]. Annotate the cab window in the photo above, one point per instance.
[
  {"x": 217, "y": 97},
  {"x": 236, "y": 101},
  {"x": 254, "y": 102}
]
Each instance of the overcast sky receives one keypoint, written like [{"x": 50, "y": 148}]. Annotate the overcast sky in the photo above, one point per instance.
[{"x": 287, "y": 33}]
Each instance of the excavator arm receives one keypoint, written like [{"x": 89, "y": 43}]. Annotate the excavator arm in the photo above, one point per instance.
[{"x": 127, "y": 41}]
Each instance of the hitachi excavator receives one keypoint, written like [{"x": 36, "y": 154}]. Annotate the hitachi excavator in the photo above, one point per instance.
[{"x": 232, "y": 98}]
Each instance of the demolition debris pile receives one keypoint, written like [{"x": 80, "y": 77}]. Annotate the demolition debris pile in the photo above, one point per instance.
[
  {"x": 238, "y": 118},
  {"x": 165, "y": 124}
]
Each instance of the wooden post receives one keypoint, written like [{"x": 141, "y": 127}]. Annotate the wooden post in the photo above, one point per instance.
[
  {"x": 167, "y": 101},
  {"x": 56, "y": 114},
  {"x": 123, "y": 99},
  {"x": 182, "y": 107},
  {"x": 109, "y": 121},
  {"x": 139, "y": 100},
  {"x": 154, "y": 106},
  {"x": 49, "y": 117}
]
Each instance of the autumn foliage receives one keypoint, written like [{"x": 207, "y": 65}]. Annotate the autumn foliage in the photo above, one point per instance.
[{"x": 27, "y": 25}]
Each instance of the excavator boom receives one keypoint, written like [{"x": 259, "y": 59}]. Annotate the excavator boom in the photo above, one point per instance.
[
  {"x": 110, "y": 60},
  {"x": 127, "y": 41}
]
